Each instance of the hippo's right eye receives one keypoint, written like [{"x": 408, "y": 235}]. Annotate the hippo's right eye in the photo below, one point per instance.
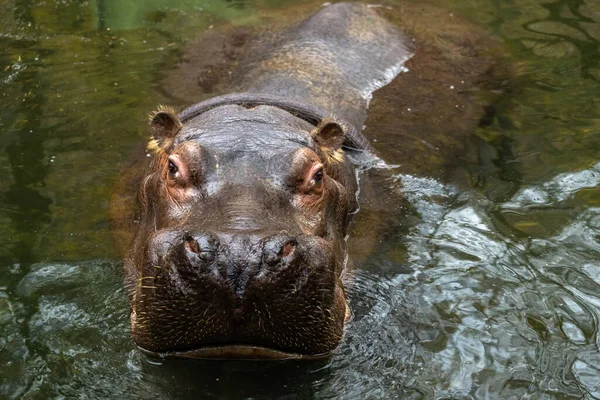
[
  {"x": 172, "y": 168},
  {"x": 177, "y": 173}
]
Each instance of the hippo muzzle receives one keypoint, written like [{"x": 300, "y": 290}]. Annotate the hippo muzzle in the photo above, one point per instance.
[{"x": 240, "y": 294}]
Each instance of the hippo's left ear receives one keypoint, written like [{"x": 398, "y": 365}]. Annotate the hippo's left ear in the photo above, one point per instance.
[
  {"x": 164, "y": 125},
  {"x": 329, "y": 134}
]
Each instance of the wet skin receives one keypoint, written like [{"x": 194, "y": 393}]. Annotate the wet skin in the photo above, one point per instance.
[{"x": 244, "y": 208}]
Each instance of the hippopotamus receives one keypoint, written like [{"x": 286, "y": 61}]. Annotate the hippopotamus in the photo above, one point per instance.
[
  {"x": 246, "y": 202},
  {"x": 245, "y": 205}
]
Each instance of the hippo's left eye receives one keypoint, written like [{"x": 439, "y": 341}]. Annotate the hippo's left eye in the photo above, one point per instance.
[
  {"x": 308, "y": 175},
  {"x": 317, "y": 177}
]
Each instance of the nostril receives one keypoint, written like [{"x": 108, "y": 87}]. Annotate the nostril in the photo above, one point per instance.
[
  {"x": 276, "y": 249},
  {"x": 288, "y": 249},
  {"x": 204, "y": 247},
  {"x": 192, "y": 246}
]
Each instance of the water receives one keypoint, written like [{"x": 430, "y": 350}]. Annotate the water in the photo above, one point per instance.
[{"x": 483, "y": 280}]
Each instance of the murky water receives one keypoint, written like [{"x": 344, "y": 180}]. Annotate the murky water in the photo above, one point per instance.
[{"x": 484, "y": 284}]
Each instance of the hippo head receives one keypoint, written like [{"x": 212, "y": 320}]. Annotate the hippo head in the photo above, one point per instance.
[{"x": 241, "y": 239}]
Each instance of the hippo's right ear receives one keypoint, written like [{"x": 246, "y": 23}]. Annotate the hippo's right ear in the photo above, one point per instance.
[{"x": 164, "y": 125}]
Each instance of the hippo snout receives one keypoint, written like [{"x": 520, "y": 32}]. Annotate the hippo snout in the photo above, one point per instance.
[
  {"x": 232, "y": 259},
  {"x": 238, "y": 289}
]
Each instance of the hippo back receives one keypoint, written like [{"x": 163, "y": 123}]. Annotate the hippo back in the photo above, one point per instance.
[{"x": 335, "y": 60}]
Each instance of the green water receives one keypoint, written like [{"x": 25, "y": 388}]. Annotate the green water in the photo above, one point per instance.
[{"x": 492, "y": 291}]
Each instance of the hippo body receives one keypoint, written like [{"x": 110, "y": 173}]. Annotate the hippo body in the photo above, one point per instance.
[{"x": 246, "y": 202}]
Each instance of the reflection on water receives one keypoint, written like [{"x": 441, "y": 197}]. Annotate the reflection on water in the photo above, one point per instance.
[
  {"x": 484, "y": 291},
  {"x": 517, "y": 315}
]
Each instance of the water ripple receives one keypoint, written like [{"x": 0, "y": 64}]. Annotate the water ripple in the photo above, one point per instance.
[{"x": 505, "y": 304}]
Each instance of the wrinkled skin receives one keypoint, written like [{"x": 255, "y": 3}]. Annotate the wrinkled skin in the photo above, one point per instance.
[{"x": 244, "y": 211}]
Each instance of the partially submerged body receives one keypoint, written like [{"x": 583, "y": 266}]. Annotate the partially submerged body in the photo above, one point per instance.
[{"x": 246, "y": 203}]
